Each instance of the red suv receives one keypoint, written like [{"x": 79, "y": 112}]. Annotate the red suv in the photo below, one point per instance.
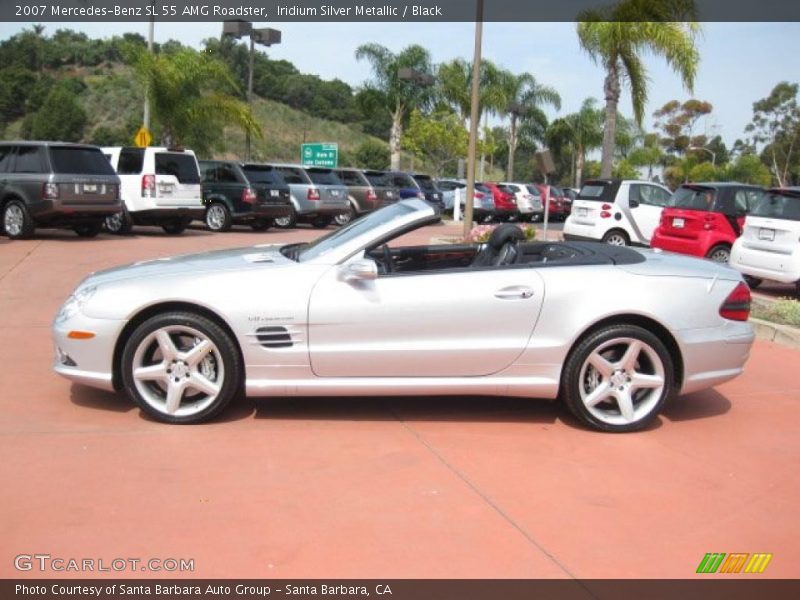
[
  {"x": 704, "y": 219},
  {"x": 560, "y": 205},
  {"x": 505, "y": 202}
]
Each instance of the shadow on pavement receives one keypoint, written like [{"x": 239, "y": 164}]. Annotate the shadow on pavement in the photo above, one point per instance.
[
  {"x": 87, "y": 397},
  {"x": 700, "y": 405}
]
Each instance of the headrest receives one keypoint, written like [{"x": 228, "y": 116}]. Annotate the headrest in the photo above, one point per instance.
[{"x": 505, "y": 233}]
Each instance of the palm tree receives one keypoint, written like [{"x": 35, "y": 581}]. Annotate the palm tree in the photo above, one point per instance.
[
  {"x": 581, "y": 132},
  {"x": 617, "y": 37},
  {"x": 192, "y": 97},
  {"x": 399, "y": 96},
  {"x": 521, "y": 98},
  {"x": 455, "y": 78}
]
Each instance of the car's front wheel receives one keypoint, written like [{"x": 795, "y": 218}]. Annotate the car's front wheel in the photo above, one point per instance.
[
  {"x": 180, "y": 367},
  {"x": 618, "y": 378}
]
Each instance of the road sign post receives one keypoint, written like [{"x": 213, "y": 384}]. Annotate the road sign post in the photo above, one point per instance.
[{"x": 320, "y": 155}]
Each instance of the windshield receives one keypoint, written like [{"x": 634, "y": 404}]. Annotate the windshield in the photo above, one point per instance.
[
  {"x": 533, "y": 190},
  {"x": 358, "y": 227},
  {"x": 324, "y": 177},
  {"x": 693, "y": 198},
  {"x": 79, "y": 161},
  {"x": 425, "y": 183},
  {"x": 375, "y": 178},
  {"x": 263, "y": 175},
  {"x": 778, "y": 205}
]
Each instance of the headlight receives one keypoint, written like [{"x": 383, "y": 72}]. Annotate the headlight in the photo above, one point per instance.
[{"x": 75, "y": 302}]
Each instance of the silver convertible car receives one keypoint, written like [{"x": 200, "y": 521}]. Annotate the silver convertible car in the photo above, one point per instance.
[{"x": 614, "y": 332}]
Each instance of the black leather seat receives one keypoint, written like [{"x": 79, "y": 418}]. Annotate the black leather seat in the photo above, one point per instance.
[{"x": 501, "y": 248}]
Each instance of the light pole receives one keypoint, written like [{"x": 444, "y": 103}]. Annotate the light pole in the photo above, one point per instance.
[
  {"x": 266, "y": 37},
  {"x": 711, "y": 152},
  {"x": 473, "y": 119},
  {"x": 150, "y": 34}
]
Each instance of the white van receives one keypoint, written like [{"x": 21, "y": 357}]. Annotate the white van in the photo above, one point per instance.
[
  {"x": 769, "y": 247},
  {"x": 159, "y": 186},
  {"x": 618, "y": 212}
]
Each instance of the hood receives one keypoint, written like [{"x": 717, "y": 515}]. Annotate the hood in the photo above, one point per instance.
[{"x": 234, "y": 259}]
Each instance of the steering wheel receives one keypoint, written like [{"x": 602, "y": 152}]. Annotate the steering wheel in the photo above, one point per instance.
[{"x": 387, "y": 259}]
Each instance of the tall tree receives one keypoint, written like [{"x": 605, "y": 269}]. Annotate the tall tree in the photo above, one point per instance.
[
  {"x": 678, "y": 121},
  {"x": 192, "y": 96},
  {"x": 400, "y": 97},
  {"x": 581, "y": 132},
  {"x": 776, "y": 125},
  {"x": 618, "y": 36},
  {"x": 437, "y": 140},
  {"x": 521, "y": 100}
]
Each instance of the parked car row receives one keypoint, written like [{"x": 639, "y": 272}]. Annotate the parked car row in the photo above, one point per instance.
[{"x": 756, "y": 231}]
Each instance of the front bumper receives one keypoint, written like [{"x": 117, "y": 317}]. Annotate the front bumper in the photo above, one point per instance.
[{"x": 86, "y": 361}]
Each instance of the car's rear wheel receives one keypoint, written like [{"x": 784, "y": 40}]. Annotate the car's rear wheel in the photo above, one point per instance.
[
  {"x": 17, "y": 221},
  {"x": 618, "y": 378},
  {"x": 719, "y": 253},
  {"x": 261, "y": 225},
  {"x": 287, "y": 222},
  {"x": 218, "y": 217},
  {"x": 120, "y": 223},
  {"x": 345, "y": 218},
  {"x": 88, "y": 230},
  {"x": 753, "y": 282},
  {"x": 176, "y": 226},
  {"x": 617, "y": 237},
  {"x": 180, "y": 367}
]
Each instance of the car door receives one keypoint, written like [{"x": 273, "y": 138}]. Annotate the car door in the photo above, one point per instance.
[
  {"x": 462, "y": 322},
  {"x": 645, "y": 203},
  {"x": 6, "y": 154}
]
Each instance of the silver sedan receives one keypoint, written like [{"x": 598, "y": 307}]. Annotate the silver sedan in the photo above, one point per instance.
[{"x": 614, "y": 332}]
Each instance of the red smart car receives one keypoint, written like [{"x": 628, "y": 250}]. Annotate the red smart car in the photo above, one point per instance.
[{"x": 704, "y": 219}]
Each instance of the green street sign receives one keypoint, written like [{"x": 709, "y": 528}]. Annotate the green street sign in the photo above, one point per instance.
[{"x": 320, "y": 155}]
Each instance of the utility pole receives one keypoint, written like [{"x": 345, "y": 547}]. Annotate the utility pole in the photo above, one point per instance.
[
  {"x": 473, "y": 120},
  {"x": 150, "y": 34}
]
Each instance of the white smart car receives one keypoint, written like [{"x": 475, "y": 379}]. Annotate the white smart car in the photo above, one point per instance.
[{"x": 769, "y": 247}]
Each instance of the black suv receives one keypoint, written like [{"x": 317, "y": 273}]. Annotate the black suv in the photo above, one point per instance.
[
  {"x": 51, "y": 184},
  {"x": 235, "y": 192}
]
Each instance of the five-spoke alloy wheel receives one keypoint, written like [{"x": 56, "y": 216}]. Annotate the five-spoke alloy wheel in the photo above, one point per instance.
[
  {"x": 181, "y": 368},
  {"x": 618, "y": 378}
]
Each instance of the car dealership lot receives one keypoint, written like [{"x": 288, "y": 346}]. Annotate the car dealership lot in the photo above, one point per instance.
[{"x": 376, "y": 487}]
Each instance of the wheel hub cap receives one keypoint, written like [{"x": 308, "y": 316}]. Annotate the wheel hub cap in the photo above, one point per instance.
[{"x": 13, "y": 220}]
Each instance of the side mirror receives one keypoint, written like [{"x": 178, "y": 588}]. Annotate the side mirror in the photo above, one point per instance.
[{"x": 360, "y": 270}]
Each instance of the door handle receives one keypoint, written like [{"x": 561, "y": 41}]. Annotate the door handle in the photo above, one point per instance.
[{"x": 514, "y": 293}]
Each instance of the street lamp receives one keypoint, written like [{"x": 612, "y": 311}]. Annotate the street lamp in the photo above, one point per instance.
[
  {"x": 265, "y": 37},
  {"x": 711, "y": 152}
]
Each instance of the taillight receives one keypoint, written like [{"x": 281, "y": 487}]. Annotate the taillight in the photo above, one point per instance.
[
  {"x": 49, "y": 191},
  {"x": 606, "y": 207},
  {"x": 605, "y": 215},
  {"x": 478, "y": 195},
  {"x": 709, "y": 223},
  {"x": 371, "y": 196},
  {"x": 148, "y": 186},
  {"x": 313, "y": 194},
  {"x": 737, "y": 305},
  {"x": 249, "y": 195}
]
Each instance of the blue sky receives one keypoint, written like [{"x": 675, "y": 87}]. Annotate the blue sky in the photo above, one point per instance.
[{"x": 741, "y": 62}]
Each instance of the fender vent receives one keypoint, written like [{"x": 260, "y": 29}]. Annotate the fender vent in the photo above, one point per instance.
[{"x": 274, "y": 337}]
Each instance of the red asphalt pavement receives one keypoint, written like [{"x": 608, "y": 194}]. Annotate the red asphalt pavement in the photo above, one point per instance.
[{"x": 376, "y": 487}]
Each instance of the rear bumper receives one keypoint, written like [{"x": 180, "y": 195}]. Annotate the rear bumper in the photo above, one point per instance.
[
  {"x": 681, "y": 245},
  {"x": 271, "y": 211},
  {"x": 578, "y": 232},
  {"x": 54, "y": 211},
  {"x": 784, "y": 268},
  {"x": 326, "y": 211},
  {"x": 712, "y": 356}
]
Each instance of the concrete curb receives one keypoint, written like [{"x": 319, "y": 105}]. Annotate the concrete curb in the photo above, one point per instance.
[{"x": 780, "y": 334}]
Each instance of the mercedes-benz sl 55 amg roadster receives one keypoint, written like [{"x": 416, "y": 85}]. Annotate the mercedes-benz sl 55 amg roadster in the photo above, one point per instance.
[{"x": 612, "y": 331}]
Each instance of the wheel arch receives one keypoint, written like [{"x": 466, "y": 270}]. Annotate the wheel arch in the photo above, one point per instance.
[
  {"x": 645, "y": 322},
  {"x": 153, "y": 310}
]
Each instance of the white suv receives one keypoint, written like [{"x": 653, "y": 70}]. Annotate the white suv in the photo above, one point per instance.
[
  {"x": 529, "y": 200},
  {"x": 618, "y": 212},
  {"x": 769, "y": 247},
  {"x": 159, "y": 186}
]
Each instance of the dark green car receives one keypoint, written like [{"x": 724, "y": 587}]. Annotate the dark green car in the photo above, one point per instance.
[{"x": 242, "y": 193}]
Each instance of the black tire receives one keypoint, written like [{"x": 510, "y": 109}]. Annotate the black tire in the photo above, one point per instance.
[
  {"x": 22, "y": 226},
  {"x": 261, "y": 225},
  {"x": 720, "y": 253},
  {"x": 320, "y": 222},
  {"x": 616, "y": 237},
  {"x": 570, "y": 389},
  {"x": 175, "y": 227},
  {"x": 753, "y": 282},
  {"x": 287, "y": 222},
  {"x": 345, "y": 218},
  {"x": 218, "y": 217},
  {"x": 119, "y": 224},
  {"x": 88, "y": 230},
  {"x": 228, "y": 352}
]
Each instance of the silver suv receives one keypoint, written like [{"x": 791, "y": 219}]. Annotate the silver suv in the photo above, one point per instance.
[
  {"x": 50, "y": 184},
  {"x": 317, "y": 195}
]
